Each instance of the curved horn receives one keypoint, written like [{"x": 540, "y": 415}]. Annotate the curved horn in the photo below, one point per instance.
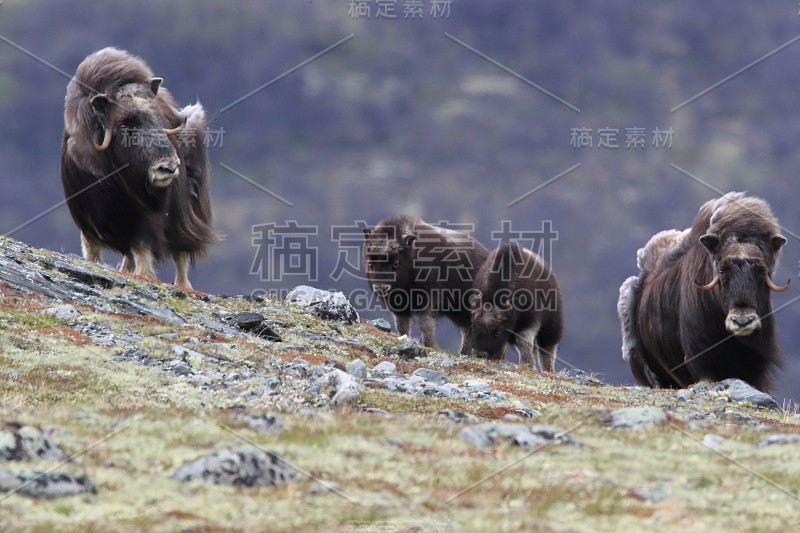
[
  {"x": 774, "y": 287},
  {"x": 106, "y": 141},
  {"x": 710, "y": 285},
  {"x": 175, "y": 130}
]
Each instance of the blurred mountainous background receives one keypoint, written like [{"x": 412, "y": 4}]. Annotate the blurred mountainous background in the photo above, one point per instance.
[{"x": 439, "y": 114}]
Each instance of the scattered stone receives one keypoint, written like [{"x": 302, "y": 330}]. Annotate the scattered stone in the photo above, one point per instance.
[
  {"x": 459, "y": 417},
  {"x": 179, "y": 368},
  {"x": 409, "y": 350},
  {"x": 240, "y": 466},
  {"x": 177, "y": 293},
  {"x": 37, "y": 484},
  {"x": 298, "y": 367},
  {"x": 742, "y": 391},
  {"x": 64, "y": 312},
  {"x": 649, "y": 494},
  {"x": 526, "y": 413},
  {"x": 88, "y": 277},
  {"x": 684, "y": 395},
  {"x": 135, "y": 354},
  {"x": 528, "y": 436},
  {"x": 580, "y": 377},
  {"x": 26, "y": 443},
  {"x": 635, "y": 417},
  {"x": 324, "y": 304},
  {"x": 778, "y": 439},
  {"x": 340, "y": 387},
  {"x": 357, "y": 369},
  {"x": 381, "y": 324},
  {"x": 432, "y": 376},
  {"x": 375, "y": 411},
  {"x": 477, "y": 385},
  {"x": 713, "y": 441},
  {"x": 385, "y": 368},
  {"x": 252, "y": 323},
  {"x": 445, "y": 361},
  {"x": 262, "y": 423}
]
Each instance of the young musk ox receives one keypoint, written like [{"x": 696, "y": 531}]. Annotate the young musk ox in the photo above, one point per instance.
[
  {"x": 518, "y": 302},
  {"x": 700, "y": 307},
  {"x": 423, "y": 271},
  {"x": 134, "y": 167}
]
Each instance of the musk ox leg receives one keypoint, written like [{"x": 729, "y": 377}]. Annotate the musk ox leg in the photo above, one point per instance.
[
  {"x": 127, "y": 264},
  {"x": 466, "y": 341},
  {"x": 143, "y": 261},
  {"x": 182, "y": 261},
  {"x": 547, "y": 358},
  {"x": 90, "y": 249},
  {"x": 527, "y": 349},
  {"x": 403, "y": 324},
  {"x": 427, "y": 325}
]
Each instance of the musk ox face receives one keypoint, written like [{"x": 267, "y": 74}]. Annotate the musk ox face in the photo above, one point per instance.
[
  {"x": 742, "y": 278},
  {"x": 388, "y": 259},
  {"x": 133, "y": 132},
  {"x": 491, "y": 330}
]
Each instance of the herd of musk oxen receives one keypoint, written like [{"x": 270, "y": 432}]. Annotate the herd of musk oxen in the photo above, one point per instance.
[{"x": 698, "y": 309}]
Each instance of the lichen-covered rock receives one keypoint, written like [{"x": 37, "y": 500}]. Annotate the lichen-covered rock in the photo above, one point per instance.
[
  {"x": 37, "y": 484},
  {"x": 324, "y": 304},
  {"x": 25, "y": 443},
  {"x": 340, "y": 387},
  {"x": 772, "y": 440},
  {"x": 381, "y": 324},
  {"x": 240, "y": 466},
  {"x": 357, "y": 368},
  {"x": 262, "y": 423},
  {"x": 742, "y": 391},
  {"x": 409, "y": 350},
  {"x": 526, "y": 435},
  {"x": 635, "y": 417}
]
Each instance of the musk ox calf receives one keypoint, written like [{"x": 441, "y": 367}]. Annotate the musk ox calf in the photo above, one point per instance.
[
  {"x": 134, "y": 167},
  {"x": 423, "y": 271},
  {"x": 700, "y": 307},
  {"x": 517, "y": 302}
]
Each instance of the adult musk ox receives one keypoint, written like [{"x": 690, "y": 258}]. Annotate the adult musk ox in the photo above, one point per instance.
[
  {"x": 134, "y": 167},
  {"x": 700, "y": 307},
  {"x": 517, "y": 302},
  {"x": 423, "y": 271}
]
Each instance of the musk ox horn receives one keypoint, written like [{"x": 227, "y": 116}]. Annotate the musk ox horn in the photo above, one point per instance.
[
  {"x": 774, "y": 287},
  {"x": 177, "y": 129},
  {"x": 106, "y": 141},
  {"x": 708, "y": 286}
]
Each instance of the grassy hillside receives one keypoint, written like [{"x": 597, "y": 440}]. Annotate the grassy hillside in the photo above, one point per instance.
[{"x": 135, "y": 378}]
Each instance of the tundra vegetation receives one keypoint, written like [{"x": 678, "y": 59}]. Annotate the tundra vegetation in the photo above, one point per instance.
[{"x": 137, "y": 379}]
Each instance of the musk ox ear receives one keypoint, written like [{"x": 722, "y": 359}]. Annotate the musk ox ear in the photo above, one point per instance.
[
  {"x": 710, "y": 241},
  {"x": 778, "y": 241},
  {"x": 408, "y": 240},
  {"x": 99, "y": 103},
  {"x": 155, "y": 83}
]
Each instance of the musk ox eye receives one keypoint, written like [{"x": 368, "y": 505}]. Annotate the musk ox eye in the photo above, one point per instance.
[{"x": 396, "y": 265}]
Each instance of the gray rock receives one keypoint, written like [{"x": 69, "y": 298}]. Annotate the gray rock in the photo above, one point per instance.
[
  {"x": 36, "y": 484},
  {"x": 324, "y": 304},
  {"x": 298, "y": 367},
  {"x": 713, "y": 441},
  {"x": 650, "y": 494},
  {"x": 357, "y": 369},
  {"x": 63, "y": 312},
  {"x": 635, "y": 417},
  {"x": 180, "y": 368},
  {"x": 459, "y": 417},
  {"x": 262, "y": 423},
  {"x": 449, "y": 390},
  {"x": 385, "y": 368},
  {"x": 136, "y": 355},
  {"x": 432, "y": 376},
  {"x": 477, "y": 385},
  {"x": 26, "y": 443},
  {"x": 240, "y": 466},
  {"x": 684, "y": 394},
  {"x": 529, "y": 436},
  {"x": 252, "y": 323},
  {"x": 778, "y": 439},
  {"x": 445, "y": 361},
  {"x": 742, "y": 391},
  {"x": 409, "y": 350},
  {"x": 381, "y": 324},
  {"x": 340, "y": 387}
]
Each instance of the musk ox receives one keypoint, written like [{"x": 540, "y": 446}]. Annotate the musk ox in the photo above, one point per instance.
[
  {"x": 700, "y": 307},
  {"x": 134, "y": 167},
  {"x": 517, "y": 302},
  {"x": 423, "y": 271}
]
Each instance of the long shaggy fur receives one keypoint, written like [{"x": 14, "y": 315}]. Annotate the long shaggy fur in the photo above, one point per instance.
[{"x": 673, "y": 333}]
